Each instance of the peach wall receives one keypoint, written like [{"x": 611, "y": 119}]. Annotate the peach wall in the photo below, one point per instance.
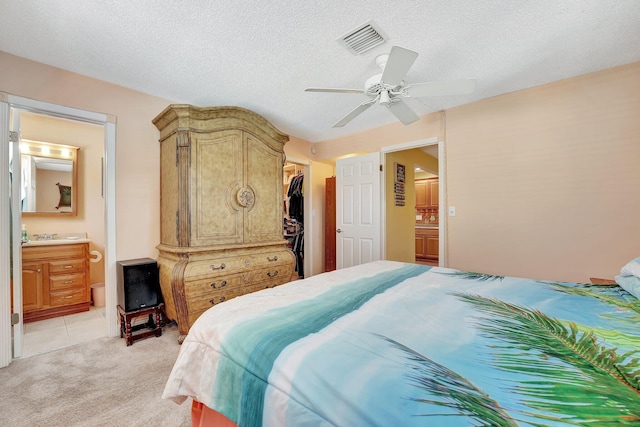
[
  {"x": 297, "y": 148},
  {"x": 373, "y": 140},
  {"x": 546, "y": 181},
  {"x": 137, "y": 148}
]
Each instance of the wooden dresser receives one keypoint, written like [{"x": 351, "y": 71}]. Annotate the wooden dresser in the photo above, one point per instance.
[
  {"x": 55, "y": 280},
  {"x": 221, "y": 208}
]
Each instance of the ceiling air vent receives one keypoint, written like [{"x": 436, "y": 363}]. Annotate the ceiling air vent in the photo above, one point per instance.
[{"x": 363, "y": 38}]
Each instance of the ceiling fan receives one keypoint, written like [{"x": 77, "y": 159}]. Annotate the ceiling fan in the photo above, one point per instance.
[{"x": 388, "y": 88}]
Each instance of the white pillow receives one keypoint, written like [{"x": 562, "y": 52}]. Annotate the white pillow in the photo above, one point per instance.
[
  {"x": 632, "y": 268},
  {"x": 629, "y": 278},
  {"x": 630, "y": 284}
]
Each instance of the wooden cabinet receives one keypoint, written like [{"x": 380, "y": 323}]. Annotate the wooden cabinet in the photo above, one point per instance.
[
  {"x": 427, "y": 193},
  {"x": 221, "y": 212},
  {"x": 434, "y": 192},
  {"x": 427, "y": 244},
  {"x": 55, "y": 280},
  {"x": 422, "y": 194},
  {"x": 31, "y": 286},
  {"x": 421, "y": 247}
]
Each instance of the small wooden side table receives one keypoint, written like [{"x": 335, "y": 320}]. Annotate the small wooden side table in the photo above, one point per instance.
[{"x": 153, "y": 326}]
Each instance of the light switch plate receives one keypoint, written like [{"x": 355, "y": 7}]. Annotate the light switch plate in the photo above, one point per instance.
[{"x": 452, "y": 211}]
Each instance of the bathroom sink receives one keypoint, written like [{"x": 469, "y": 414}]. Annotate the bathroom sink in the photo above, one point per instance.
[{"x": 44, "y": 239}]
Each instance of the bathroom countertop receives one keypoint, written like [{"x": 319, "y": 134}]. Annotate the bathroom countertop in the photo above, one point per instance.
[
  {"x": 428, "y": 226},
  {"x": 55, "y": 242},
  {"x": 58, "y": 239}
]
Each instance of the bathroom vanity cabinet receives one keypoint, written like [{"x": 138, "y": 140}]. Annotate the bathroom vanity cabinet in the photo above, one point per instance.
[{"x": 55, "y": 280}]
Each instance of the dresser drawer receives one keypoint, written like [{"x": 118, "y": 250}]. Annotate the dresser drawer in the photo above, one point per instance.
[
  {"x": 66, "y": 266},
  {"x": 67, "y": 281},
  {"x": 277, "y": 273},
  {"x": 203, "y": 287},
  {"x": 236, "y": 264},
  {"x": 268, "y": 278},
  {"x": 72, "y": 296},
  {"x": 213, "y": 268},
  {"x": 205, "y": 301}
]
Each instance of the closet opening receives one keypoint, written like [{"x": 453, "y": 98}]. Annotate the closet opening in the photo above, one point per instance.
[{"x": 293, "y": 214}]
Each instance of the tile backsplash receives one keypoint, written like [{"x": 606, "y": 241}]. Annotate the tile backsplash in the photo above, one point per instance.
[{"x": 427, "y": 216}]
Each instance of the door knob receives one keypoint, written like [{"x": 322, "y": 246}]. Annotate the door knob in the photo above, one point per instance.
[{"x": 338, "y": 231}]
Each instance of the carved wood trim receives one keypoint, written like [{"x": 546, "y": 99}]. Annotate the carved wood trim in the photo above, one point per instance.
[
  {"x": 177, "y": 291},
  {"x": 183, "y": 162},
  {"x": 211, "y": 119}
]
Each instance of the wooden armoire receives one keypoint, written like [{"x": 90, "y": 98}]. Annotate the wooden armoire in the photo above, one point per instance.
[{"x": 221, "y": 208}]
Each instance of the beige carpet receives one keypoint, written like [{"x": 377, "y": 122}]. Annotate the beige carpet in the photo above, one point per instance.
[{"x": 97, "y": 383}]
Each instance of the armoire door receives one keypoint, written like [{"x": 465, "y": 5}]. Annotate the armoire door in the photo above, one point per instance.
[
  {"x": 216, "y": 178},
  {"x": 263, "y": 183}
]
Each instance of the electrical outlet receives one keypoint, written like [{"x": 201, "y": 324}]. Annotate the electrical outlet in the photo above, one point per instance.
[{"x": 452, "y": 211}]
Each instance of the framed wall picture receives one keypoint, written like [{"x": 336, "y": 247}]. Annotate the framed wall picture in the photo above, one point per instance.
[
  {"x": 400, "y": 173},
  {"x": 65, "y": 196},
  {"x": 398, "y": 185}
]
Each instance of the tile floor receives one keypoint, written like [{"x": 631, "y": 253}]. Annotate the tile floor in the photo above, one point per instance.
[{"x": 51, "y": 334}]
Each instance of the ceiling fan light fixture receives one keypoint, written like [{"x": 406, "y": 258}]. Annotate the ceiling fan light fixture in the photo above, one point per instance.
[
  {"x": 384, "y": 98},
  {"x": 388, "y": 88}
]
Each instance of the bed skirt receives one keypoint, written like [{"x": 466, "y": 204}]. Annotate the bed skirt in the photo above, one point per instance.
[{"x": 203, "y": 416}]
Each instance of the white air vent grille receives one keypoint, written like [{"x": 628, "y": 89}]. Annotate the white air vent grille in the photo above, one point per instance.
[{"x": 363, "y": 38}]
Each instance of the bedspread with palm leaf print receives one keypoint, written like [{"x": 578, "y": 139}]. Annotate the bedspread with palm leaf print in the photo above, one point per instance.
[{"x": 394, "y": 344}]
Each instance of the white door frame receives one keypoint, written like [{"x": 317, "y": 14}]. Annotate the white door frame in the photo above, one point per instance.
[
  {"x": 442, "y": 192},
  {"x": 8, "y": 101}
]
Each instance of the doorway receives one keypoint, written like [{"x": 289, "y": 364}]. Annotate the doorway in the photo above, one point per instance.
[
  {"x": 297, "y": 212},
  {"x": 401, "y": 236},
  {"x": 44, "y": 332},
  {"x": 12, "y": 327}
]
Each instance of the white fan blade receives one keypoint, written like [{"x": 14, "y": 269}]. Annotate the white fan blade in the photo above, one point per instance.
[
  {"x": 403, "y": 112},
  {"x": 453, "y": 87},
  {"x": 353, "y": 113},
  {"x": 398, "y": 64},
  {"x": 333, "y": 90}
]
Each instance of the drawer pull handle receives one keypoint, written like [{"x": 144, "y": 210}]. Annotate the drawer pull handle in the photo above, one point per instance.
[
  {"x": 271, "y": 259},
  {"x": 274, "y": 274},
  {"x": 222, "y": 267},
  {"x": 66, "y": 282},
  {"x": 222, "y": 285},
  {"x": 66, "y": 267},
  {"x": 68, "y": 297},
  {"x": 212, "y": 301}
]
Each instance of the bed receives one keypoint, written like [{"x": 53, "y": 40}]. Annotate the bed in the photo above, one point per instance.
[{"x": 395, "y": 344}]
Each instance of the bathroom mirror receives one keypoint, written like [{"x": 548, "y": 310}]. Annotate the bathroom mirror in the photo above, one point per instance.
[{"x": 49, "y": 179}]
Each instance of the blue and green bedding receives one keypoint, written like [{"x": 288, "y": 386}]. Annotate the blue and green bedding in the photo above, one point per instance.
[{"x": 393, "y": 344}]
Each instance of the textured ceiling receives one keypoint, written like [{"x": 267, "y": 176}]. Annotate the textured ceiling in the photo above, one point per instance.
[{"x": 261, "y": 55}]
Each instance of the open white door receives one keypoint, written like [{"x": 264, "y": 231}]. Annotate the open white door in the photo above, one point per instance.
[
  {"x": 358, "y": 210},
  {"x": 16, "y": 218}
]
